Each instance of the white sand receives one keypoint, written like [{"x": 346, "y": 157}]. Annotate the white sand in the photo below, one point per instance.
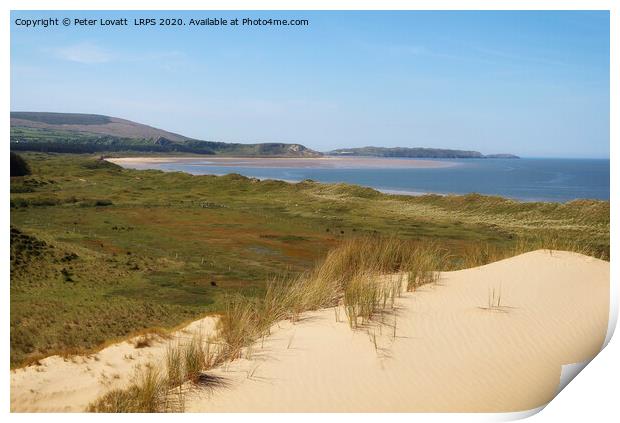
[
  {"x": 70, "y": 384},
  {"x": 449, "y": 353},
  {"x": 288, "y": 162}
]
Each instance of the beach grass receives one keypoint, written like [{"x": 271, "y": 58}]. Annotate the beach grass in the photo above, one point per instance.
[
  {"x": 147, "y": 393},
  {"x": 175, "y": 369},
  {"x": 195, "y": 359},
  {"x": 152, "y": 390}
]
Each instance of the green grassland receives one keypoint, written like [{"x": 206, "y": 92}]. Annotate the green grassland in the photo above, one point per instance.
[
  {"x": 99, "y": 252},
  {"x": 71, "y": 141}
]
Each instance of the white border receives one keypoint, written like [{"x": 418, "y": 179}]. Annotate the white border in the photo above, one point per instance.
[{"x": 592, "y": 396}]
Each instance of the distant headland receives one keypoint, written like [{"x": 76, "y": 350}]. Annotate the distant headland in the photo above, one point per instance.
[{"x": 417, "y": 152}]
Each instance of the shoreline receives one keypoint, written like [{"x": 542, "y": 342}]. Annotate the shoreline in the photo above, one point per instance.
[
  {"x": 142, "y": 163},
  {"x": 329, "y": 162},
  {"x": 145, "y": 163}
]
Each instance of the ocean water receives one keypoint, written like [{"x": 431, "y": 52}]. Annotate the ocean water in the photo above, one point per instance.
[{"x": 555, "y": 180}]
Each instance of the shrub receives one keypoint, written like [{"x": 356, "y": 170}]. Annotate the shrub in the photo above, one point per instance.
[{"x": 19, "y": 166}]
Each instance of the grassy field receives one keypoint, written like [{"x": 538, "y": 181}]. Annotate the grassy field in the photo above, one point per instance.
[
  {"x": 99, "y": 252},
  {"x": 153, "y": 141}
]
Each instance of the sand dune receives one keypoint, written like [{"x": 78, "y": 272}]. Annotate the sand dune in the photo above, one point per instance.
[
  {"x": 442, "y": 349},
  {"x": 70, "y": 384}
]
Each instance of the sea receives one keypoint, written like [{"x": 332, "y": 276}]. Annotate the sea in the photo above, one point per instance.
[{"x": 525, "y": 179}]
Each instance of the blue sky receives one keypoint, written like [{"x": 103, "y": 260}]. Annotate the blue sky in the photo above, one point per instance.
[{"x": 531, "y": 83}]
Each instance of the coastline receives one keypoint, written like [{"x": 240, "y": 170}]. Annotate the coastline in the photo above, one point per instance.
[
  {"x": 143, "y": 163},
  {"x": 329, "y": 162},
  {"x": 524, "y": 180}
]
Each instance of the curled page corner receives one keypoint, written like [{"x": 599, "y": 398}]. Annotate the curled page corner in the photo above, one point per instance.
[
  {"x": 613, "y": 312},
  {"x": 569, "y": 371},
  {"x": 517, "y": 415}
]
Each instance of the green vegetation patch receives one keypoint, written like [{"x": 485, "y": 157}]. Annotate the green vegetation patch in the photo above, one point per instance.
[{"x": 99, "y": 252}]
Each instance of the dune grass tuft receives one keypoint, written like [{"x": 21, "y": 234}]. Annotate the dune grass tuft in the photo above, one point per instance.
[
  {"x": 239, "y": 325},
  {"x": 424, "y": 265},
  {"x": 194, "y": 358},
  {"x": 147, "y": 393},
  {"x": 174, "y": 365},
  {"x": 152, "y": 390}
]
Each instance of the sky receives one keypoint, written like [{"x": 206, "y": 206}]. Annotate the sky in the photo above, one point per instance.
[{"x": 534, "y": 84}]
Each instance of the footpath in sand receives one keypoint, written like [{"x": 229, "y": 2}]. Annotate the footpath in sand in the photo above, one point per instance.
[{"x": 441, "y": 350}]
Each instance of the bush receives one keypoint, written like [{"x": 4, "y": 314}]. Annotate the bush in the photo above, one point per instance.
[
  {"x": 103, "y": 203},
  {"x": 19, "y": 166}
]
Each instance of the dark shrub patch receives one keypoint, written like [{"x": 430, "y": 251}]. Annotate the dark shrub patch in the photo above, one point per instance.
[{"x": 19, "y": 166}]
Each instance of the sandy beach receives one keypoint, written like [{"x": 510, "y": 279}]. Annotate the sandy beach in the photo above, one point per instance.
[
  {"x": 286, "y": 162},
  {"x": 441, "y": 350}
]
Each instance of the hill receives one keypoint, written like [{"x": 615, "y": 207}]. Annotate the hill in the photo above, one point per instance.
[
  {"x": 88, "y": 133},
  {"x": 418, "y": 152},
  {"x": 501, "y": 156},
  {"x": 91, "y": 124}
]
